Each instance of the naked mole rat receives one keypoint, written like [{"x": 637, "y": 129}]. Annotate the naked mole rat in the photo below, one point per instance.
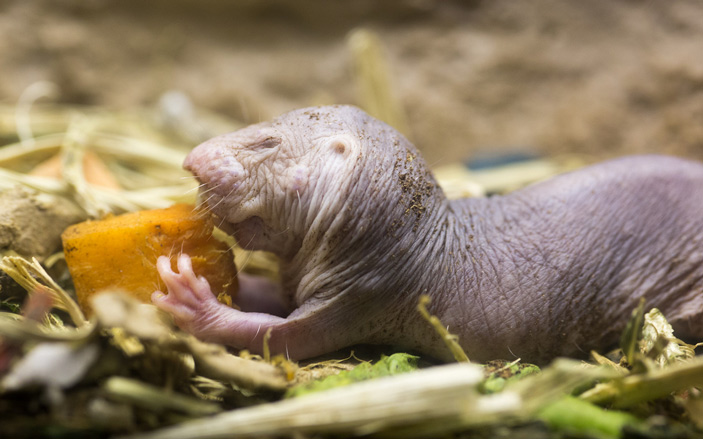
[{"x": 362, "y": 230}]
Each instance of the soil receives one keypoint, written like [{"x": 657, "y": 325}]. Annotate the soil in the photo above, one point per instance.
[
  {"x": 31, "y": 223},
  {"x": 599, "y": 78}
]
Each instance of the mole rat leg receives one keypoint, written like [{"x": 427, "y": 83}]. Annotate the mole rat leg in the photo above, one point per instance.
[
  {"x": 196, "y": 310},
  {"x": 260, "y": 294}
]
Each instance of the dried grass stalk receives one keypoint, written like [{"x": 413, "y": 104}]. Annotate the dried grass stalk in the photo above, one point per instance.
[
  {"x": 373, "y": 77},
  {"x": 156, "y": 399},
  {"x": 427, "y": 403},
  {"x": 116, "y": 310},
  {"x": 658, "y": 383},
  {"x": 440, "y": 396},
  {"x": 72, "y": 153},
  {"x": 26, "y": 273},
  {"x": 451, "y": 340},
  {"x": 13, "y": 327}
]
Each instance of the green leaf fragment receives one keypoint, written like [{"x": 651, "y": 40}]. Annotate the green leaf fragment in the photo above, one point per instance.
[
  {"x": 6, "y": 305},
  {"x": 575, "y": 416},
  {"x": 633, "y": 333},
  {"x": 391, "y": 365},
  {"x": 500, "y": 372}
]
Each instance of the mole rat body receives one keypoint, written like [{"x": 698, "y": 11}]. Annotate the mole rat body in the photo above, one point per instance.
[{"x": 362, "y": 231}]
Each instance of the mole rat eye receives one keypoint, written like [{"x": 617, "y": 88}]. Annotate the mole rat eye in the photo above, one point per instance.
[
  {"x": 267, "y": 142},
  {"x": 340, "y": 145}
]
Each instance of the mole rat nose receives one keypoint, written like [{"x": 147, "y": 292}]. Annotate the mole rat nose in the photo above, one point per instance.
[
  {"x": 201, "y": 155},
  {"x": 214, "y": 165},
  {"x": 189, "y": 162}
]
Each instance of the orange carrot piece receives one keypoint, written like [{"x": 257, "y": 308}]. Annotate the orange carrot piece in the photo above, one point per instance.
[{"x": 121, "y": 252}]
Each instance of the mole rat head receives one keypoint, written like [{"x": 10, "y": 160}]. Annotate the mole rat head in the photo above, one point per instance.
[{"x": 271, "y": 182}]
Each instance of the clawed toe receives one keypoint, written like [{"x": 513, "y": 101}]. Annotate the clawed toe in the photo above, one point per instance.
[
  {"x": 178, "y": 310},
  {"x": 189, "y": 297}
]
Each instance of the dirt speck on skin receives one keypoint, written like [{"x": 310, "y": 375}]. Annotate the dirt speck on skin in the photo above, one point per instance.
[{"x": 600, "y": 78}]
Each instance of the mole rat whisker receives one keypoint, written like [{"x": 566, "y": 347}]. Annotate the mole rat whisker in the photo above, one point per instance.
[
  {"x": 433, "y": 164},
  {"x": 199, "y": 212},
  {"x": 201, "y": 185},
  {"x": 170, "y": 252},
  {"x": 244, "y": 263},
  {"x": 257, "y": 333},
  {"x": 223, "y": 198},
  {"x": 203, "y": 214},
  {"x": 222, "y": 221},
  {"x": 195, "y": 189},
  {"x": 287, "y": 229},
  {"x": 207, "y": 201},
  {"x": 210, "y": 189},
  {"x": 250, "y": 240}
]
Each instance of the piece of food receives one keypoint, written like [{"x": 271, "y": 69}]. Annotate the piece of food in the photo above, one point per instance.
[{"x": 121, "y": 252}]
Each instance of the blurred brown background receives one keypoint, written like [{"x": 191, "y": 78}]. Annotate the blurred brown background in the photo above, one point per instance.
[{"x": 596, "y": 78}]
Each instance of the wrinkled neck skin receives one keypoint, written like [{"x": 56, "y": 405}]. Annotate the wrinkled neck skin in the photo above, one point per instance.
[
  {"x": 369, "y": 257},
  {"x": 374, "y": 276},
  {"x": 381, "y": 239}
]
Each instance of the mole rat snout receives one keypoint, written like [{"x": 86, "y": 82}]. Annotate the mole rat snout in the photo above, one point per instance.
[
  {"x": 191, "y": 160},
  {"x": 215, "y": 167}
]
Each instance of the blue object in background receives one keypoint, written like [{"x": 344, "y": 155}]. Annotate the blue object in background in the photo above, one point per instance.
[{"x": 487, "y": 159}]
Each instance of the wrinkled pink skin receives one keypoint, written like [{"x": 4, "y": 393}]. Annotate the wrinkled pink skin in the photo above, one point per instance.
[{"x": 362, "y": 230}]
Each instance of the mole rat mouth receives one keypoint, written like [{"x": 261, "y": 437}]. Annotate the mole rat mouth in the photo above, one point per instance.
[
  {"x": 252, "y": 234},
  {"x": 247, "y": 231}
]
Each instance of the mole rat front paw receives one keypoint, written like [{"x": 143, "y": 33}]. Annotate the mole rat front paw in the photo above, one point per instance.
[
  {"x": 196, "y": 310},
  {"x": 189, "y": 300}
]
